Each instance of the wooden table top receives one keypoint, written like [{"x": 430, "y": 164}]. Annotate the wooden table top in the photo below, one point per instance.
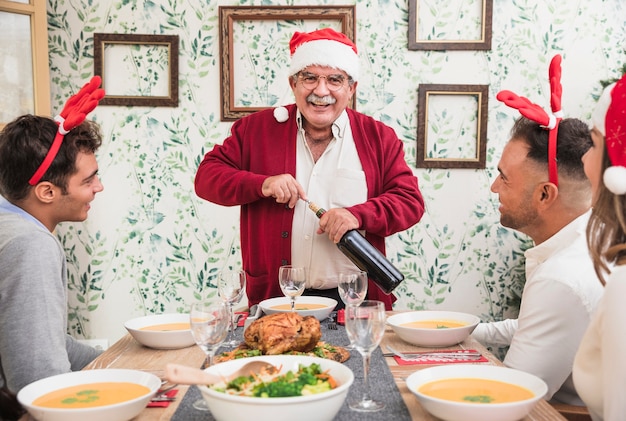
[
  {"x": 543, "y": 411},
  {"x": 127, "y": 353}
]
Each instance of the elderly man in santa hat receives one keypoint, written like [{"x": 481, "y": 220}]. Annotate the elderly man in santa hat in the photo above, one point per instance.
[{"x": 316, "y": 149}]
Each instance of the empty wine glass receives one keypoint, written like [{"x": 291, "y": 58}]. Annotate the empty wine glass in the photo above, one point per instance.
[
  {"x": 209, "y": 327},
  {"x": 292, "y": 281},
  {"x": 231, "y": 285},
  {"x": 352, "y": 287},
  {"x": 365, "y": 325}
]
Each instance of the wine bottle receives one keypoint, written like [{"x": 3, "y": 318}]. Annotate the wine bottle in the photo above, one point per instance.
[{"x": 367, "y": 257}]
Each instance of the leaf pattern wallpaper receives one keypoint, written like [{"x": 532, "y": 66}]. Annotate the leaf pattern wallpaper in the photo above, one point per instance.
[{"x": 151, "y": 245}]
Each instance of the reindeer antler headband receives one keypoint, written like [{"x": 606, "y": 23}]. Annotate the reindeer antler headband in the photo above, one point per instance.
[
  {"x": 537, "y": 114},
  {"x": 73, "y": 114}
]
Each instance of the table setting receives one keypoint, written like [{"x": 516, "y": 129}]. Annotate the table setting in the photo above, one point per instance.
[
  {"x": 379, "y": 374},
  {"x": 374, "y": 358}
]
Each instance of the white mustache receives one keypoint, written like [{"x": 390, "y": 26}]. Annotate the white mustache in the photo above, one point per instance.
[{"x": 320, "y": 100}]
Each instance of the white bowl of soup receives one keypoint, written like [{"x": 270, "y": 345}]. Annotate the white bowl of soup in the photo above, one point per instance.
[
  {"x": 433, "y": 328},
  {"x": 162, "y": 331},
  {"x": 319, "y": 307},
  {"x": 473, "y": 392},
  {"x": 90, "y": 395},
  {"x": 319, "y": 402}
]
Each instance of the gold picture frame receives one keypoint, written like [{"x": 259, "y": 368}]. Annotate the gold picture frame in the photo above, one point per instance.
[
  {"x": 137, "y": 69},
  {"x": 452, "y": 126},
  {"x": 439, "y": 42},
  {"x": 281, "y": 22},
  {"x": 24, "y": 49}
]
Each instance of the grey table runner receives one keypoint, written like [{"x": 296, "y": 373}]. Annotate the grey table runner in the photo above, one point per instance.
[{"x": 382, "y": 387}]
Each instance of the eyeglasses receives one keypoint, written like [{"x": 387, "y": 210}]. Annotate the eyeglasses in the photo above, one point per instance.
[{"x": 311, "y": 80}]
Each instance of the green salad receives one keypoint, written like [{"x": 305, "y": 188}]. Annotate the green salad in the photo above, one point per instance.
[{"x": 306, "y": 381}]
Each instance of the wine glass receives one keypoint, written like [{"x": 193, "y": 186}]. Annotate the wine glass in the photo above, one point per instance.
[
  {"x": 292, "y": 280},
  {"x": 365, "y": 325},
  {"x": 352, "y": 287},
  {"x": 209, "y": 327},
  {"x": 231, "y": 285}
]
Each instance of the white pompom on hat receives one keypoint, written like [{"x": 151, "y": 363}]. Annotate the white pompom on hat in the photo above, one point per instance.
[
  {"x": 609, "y": 117},
  {"x": 324, "y": 47}
]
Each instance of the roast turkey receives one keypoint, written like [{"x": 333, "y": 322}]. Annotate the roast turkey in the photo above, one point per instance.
[{"x": 283, "y": 332}]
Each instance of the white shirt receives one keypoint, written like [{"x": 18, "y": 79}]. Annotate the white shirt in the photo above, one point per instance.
[
  {"x": 560, "y": 294},
  {"x": 600, "y": 365},
  {"x": 336, "y": 180}
]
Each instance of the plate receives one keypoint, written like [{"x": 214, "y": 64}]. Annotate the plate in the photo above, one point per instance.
[
  {"x": 319, "y": 307},
  {"x": 114, "y": 412},
  {"x": 161, "y": 339},
  {"x": 432, "y": 337}
]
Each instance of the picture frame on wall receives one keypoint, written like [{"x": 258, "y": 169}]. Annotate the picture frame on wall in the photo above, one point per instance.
[
  {"x": 452, "y": 126},
  {"x": 435, "y": 28},
  {"x": 137, "y": 69},
  {"x": 254, "y": 52}
]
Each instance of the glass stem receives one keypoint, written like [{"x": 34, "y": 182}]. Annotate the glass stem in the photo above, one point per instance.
[
  {"x": 293, "y": 303},
  {"x": 207, "y": 361},
  {"x": 232, "y": 319},
  {"x": 366, "y": 369}
]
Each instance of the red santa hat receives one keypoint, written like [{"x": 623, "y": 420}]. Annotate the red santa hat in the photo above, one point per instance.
[
  {"x": 609, "y": 118},
  {"x": 324, "y": 47}
]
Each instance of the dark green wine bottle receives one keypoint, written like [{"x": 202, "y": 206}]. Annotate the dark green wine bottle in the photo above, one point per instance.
[{"x": 366, "y": 257}]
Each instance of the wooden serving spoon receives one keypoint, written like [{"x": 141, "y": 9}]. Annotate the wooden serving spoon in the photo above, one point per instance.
[{"x": 182, "y": 374}]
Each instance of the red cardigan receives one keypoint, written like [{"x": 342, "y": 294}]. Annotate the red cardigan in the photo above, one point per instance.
[{"x": 259, "y": 146}]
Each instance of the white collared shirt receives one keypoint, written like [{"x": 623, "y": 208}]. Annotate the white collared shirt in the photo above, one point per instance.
[{"x": 336, "y": 180}]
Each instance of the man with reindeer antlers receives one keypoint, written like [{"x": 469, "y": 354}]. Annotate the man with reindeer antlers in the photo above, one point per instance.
[
  {"x": 544, "y": 193},
  {"x": 48, "y": 174}
]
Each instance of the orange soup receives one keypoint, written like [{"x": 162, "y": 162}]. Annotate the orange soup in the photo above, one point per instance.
[
  {"x": 434, "y": 324},
  {"x": 299, "y": 306},
  {"x": 164, "y": 327},
  {"x": 475, "y": 391},
  {"x": 91, "y": 395}
]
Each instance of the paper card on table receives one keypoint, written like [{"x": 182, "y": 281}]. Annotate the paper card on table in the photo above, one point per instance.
[
  {"x": 163, "y": 404},
  {"x": 457, "y": 358}
]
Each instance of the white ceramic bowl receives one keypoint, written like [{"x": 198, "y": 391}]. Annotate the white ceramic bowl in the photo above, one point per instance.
[
  {"x": 116, "y": 412},
  {"x": 461, "y": 411},
  {"x": 433, "y": 337},
  {"x": 318, "y": 407},
  {"x": 170, "y": 339},
  {"x": 268, "y": 306}
]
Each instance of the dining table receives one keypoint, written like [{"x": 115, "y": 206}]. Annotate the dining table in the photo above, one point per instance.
[{"x": 387, "y": 375}]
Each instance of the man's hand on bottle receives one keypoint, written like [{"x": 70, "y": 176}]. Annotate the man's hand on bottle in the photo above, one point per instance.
[{"x": 336, "y": 222}]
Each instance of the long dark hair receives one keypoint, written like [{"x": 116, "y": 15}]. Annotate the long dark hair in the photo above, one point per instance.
[{"x": 606, "y": 230}]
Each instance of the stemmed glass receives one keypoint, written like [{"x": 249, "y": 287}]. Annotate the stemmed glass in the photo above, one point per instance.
[
  {"x": 292, "y": 281},
  {"x": 231, "y": 285},
  {"x": 209, "y": 327},
  {"x": 365, "y": 325},
  {"x": 352, "y": 289}
]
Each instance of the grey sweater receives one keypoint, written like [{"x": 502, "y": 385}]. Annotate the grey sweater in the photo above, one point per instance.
[{"x": 33, "y": 304}]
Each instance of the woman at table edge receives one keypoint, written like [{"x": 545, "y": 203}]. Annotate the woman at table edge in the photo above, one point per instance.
[{"x": 600, "y": 368}]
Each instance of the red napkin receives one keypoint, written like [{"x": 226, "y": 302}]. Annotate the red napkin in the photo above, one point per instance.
[
  {"x": 163, "y": 404},
  {"x": 437, "y": 361},
  {"x": 242, "y": 318}
]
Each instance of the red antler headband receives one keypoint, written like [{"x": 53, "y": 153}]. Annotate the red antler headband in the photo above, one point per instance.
[
  {"x": 537, "y": 114},
  {"x": 615, "y": 136},
  {"x": 73, "y": 114}
]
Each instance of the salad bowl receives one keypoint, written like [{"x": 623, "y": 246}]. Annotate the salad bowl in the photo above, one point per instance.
[{"x": 322, "y": 406}]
